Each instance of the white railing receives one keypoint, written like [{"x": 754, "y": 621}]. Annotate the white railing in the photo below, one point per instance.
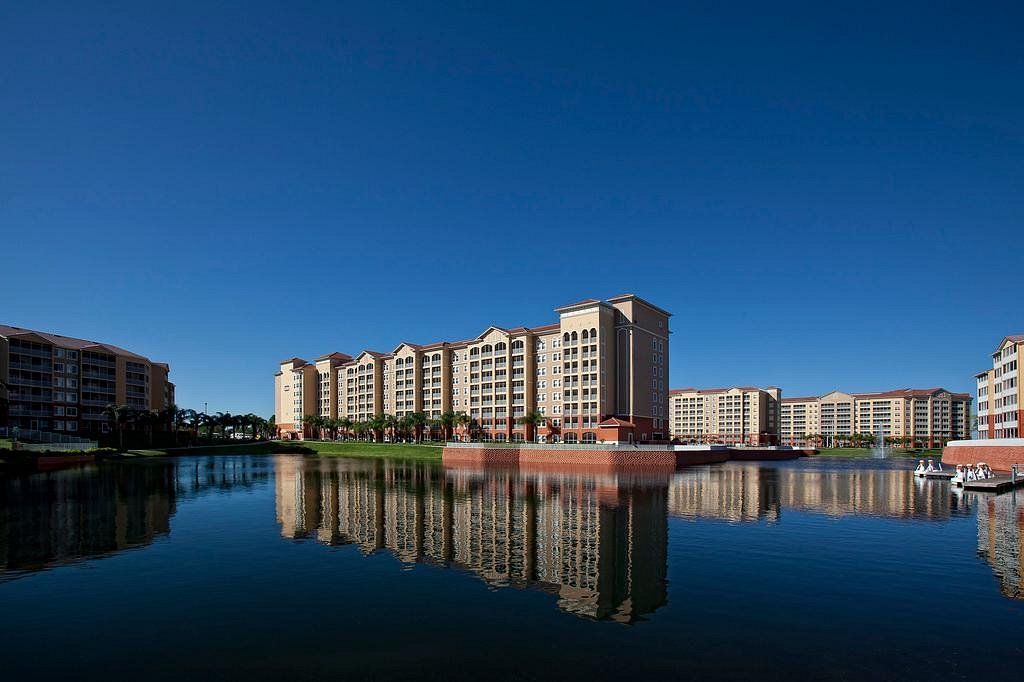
[{"x": 47, "y": 438}]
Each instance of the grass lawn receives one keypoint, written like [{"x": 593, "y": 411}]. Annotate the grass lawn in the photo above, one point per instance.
[
  {"x": 329, "y": 449},
  {"x": 866, "y": 453},
  {"x": 401, "y": 450},
  {"x": 5, "y": 443}
]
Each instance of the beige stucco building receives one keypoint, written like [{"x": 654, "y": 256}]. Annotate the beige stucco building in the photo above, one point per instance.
[
  {"x": 741, "y": 414},
  {"x": 63, "y": 384},
  {"x": 1000, "y": 394},
  {"x": 929, "y": 417},
  {"x": 599, "y": 373}
]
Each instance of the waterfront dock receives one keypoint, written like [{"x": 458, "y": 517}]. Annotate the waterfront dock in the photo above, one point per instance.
[
  {"x": 940, "y": 474},
  {"x": 996, "y": 484}
]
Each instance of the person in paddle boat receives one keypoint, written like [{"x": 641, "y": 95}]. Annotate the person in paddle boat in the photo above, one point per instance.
[
  {"x": 972, "y": 473},
  {"x": 931, "y": 466},
  {"x": 920, "y": 467},
  {"x": 958, "y": 479}
]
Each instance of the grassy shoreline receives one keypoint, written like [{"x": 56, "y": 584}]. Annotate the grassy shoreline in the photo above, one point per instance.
[
  {"x": 327, "y": 449},
  {"x": 865, "y": 453}
]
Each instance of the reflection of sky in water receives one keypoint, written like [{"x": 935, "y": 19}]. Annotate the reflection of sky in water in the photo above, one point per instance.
[{"x": 731, "y": 570}]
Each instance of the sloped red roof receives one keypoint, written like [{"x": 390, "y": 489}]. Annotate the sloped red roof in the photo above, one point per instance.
[
  {"x": 70, "y": 342},
  {"x": 716, "y": 390},
  {"x": 335, "y": 356},
  {"x": 616, "y": 422}
]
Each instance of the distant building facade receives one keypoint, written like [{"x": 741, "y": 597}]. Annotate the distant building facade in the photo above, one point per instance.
[
  {"x": 737, "y": 415},
  {"x": 925, "y": 417},
  {"x": 600, "y": 372},
  {"x": 62, "y": 384},
  {"x": 1000, "y": 396}
]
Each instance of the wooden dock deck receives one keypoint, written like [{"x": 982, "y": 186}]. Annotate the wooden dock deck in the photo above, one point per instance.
[{"x": 996, "y": 484}]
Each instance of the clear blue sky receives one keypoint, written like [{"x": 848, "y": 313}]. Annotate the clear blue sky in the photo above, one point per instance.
[{"x": 815, "y": 190}]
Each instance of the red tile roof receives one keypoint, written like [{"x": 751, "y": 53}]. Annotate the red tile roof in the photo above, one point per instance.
[
  {"x": 335, "y": 356},
  {"x": 616, "y": 422}
]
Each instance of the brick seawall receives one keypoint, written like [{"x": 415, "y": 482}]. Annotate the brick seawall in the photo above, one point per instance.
[
  {"x": 999, "y": 456},
  {"x": 604, "y": 460}
]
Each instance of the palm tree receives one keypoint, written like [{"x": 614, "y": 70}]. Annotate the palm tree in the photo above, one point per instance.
[
  {"x": 391, "y": 426},
  {"x": 120, "y": 415},
  {"x": 433, "y": 425},
  {"x": 447, "y": 422},
  {"x": 464, "y": 420},
  {"x": 346, "y": 425},
  {"x": 418, "y": 421},
  {"x": 530, "y": 420},
  {"x": 309, "y": 421},
  {"x": 376, "y": 426}
]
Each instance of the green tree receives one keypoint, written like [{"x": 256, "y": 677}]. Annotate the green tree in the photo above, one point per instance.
[
  {"x": 530, "y": 421},
  {"x": 418, "y": 420},
  {"x": 448, "y": 421},
  {"x": 465, "y": 421},
  {"x": 121, "y": 415}
]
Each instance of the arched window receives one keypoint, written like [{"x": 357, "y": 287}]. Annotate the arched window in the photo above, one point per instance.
[
  {"x": 593, "y": 334},
  {"x": 574, "y": 338},
  {"x": 517, "y": 345},
  {"x": 585, "y": 335},
  {"x": 474, "y": 351},
  {"x": 487, "y": 349},
  {"x": 436, "y": 357},
  {"x": 565, "y": 337},
  {"x": 500, "y": 346},
  {"x": 589, "y": 437}
]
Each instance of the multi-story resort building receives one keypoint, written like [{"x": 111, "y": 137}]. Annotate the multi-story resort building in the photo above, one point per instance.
[
  {"x": 1000, "y": 395},
  {"x": 598, "y": 373},
  {"x": 924, "y": 417},
  {"x": 50, "y": 382},
  {"x": 738, "y": 415}
]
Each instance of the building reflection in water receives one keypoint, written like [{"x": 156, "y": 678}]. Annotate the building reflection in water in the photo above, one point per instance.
[
  {"x": 597, "y": 544},
  {"x": 749, "y": 492},
  {"x": 93, "y": 511},
  {"x": 1001, "y": 539}
]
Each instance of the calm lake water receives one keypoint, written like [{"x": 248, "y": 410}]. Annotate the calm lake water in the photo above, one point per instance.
[{"x": 274, "y": 567}]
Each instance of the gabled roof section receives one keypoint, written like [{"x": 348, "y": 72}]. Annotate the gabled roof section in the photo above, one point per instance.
[
  {"x": 617, "y": 423},
  {"x": 1012, "y": 338},
  {"x": 489, "y": 330},
  {"x": 373, "y": 354},
  {"x": 406, "y": 344},
  {"x": 674, "y": 391},
  {"x": 343, "y": 357},
  {"x": 585, "y": 303},
  {"x": 637, "y": 299},
  {"x": 69, "y": 342}
]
